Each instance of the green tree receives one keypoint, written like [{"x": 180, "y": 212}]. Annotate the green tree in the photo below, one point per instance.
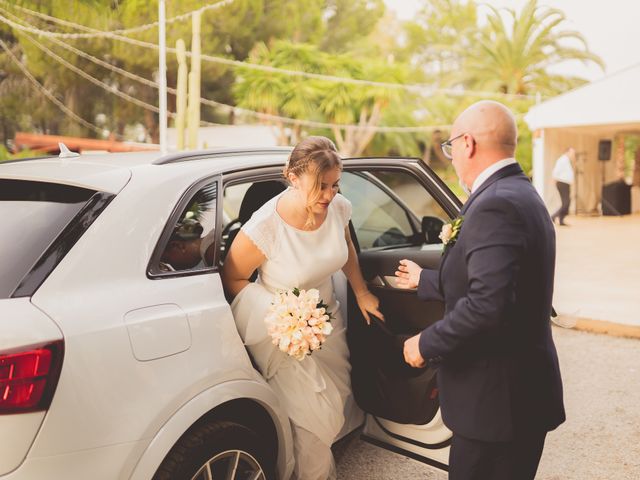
[
  {"x": 440, "y": 38},
  {"x": 325, "y": 101},
  {"x": 230, "y": 32},
  {"x": 348, "y": 21},
  {"x": 514, "y": 54}
]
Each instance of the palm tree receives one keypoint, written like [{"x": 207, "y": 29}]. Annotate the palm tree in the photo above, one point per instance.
[
  {"x": 363, "y": 105},
  {"x": 278, "y": 94},
  {"x": 514, "y": 56},
  {"x": 319, "y": 100}
]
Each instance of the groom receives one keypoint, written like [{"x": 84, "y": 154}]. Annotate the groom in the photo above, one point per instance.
[{"x": 499, "y": 381}]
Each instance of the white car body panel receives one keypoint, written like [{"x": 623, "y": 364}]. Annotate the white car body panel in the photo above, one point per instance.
[
  {"x": 21, "y": 325},
  {"x": 144, "y": 357},
  {"x": 96, "y": 464},
  {"x": 92, "y": 295},
  {"x": 80, "y": 174},
  {"x": 158, "y": 331},
  {"x": 256, "y": 390},
  {"x": 435, "y": 432},
  {"x": 24, "y": 428}
]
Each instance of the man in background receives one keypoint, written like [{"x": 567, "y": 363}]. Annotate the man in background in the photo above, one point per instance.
[{"x": 563, "y": 175}]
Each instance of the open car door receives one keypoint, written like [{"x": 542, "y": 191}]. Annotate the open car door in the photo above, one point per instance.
[{"x": 399, "y": 207}]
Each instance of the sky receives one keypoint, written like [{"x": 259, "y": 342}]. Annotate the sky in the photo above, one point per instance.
[{"x": 611, "y": 28}]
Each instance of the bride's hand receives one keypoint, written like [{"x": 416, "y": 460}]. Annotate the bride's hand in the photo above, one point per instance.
[{"x": 369, "y": 304}]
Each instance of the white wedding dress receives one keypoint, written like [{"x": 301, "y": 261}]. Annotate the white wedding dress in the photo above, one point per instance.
[{"x": 315, "y": 392}]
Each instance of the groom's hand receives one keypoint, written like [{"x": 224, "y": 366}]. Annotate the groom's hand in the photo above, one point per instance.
[
  {"x": 408, "y": 274},
  {"x": 412, "y": 352}
]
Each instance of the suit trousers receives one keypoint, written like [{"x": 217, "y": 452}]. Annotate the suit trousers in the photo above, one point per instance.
[
  {"x": 564, "y": 189},
  {"x": 479, "y": 460}
]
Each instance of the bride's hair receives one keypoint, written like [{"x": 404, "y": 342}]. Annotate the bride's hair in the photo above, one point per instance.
[{"x": 315, "y": 155}]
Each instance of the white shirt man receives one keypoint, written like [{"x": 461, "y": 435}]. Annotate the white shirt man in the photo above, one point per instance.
[
  {"x": 563, "y": 175},
  {"x": 563, "y": 170}
]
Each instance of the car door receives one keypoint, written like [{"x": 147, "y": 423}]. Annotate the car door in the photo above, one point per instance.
[{"x": 399, "y": 205}]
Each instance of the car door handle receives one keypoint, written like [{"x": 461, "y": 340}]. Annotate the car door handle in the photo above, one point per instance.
[{"x": 387, "y": 281}]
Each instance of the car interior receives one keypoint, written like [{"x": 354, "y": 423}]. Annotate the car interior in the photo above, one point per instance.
[{"x": 383, "y": 384}]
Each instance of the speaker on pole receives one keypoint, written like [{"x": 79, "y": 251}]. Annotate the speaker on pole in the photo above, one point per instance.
[{"x": 604, "y": 150}]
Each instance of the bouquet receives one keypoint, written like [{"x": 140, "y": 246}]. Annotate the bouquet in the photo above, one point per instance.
[{"x": 298, "y": 322}]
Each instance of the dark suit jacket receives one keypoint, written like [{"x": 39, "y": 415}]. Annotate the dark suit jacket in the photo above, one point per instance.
[{"x": 498, "y": 368}]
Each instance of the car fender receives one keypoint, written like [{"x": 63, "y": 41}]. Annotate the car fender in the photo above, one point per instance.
[{"x": 206, "y": 402}]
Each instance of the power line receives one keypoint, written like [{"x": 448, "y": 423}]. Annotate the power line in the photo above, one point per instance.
[
  {"x": 416, "y": 88},
  {"x": 212, "y": 103},
  {"x": 235, "y": 63},
  {"x": 48, "y": 94},
  {"x": 94, "y": 80},
  {"x": 101, "y": 84},
  {"x": 127, "y": 31},
  {"x": 62, "y": 106}
]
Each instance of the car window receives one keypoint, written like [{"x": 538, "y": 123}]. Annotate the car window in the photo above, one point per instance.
[
  {"x": 378, "y": 219},
  {"x": 388, "y": 206},
  {"x": 191, "y": 244},
  {"x": 33, "y": 215},
  {"x": 412, "y": 193}
]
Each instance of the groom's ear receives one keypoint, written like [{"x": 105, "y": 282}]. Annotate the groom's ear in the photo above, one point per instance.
[{"x": 471, "y": 145}]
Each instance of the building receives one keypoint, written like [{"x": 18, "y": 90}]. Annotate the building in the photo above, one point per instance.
[
  {"x": 230, "y": 136},
  {"x": 607, "y": 110}
]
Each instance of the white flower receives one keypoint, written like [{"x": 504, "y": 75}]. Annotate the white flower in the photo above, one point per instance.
[
  {"x": 450, "y": 231},
  {"x": 445, "y": 234},
  {"x": 297, "y": 323}
]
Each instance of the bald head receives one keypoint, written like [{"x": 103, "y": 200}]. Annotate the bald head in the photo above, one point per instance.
[{"x": 491, "y": 124}]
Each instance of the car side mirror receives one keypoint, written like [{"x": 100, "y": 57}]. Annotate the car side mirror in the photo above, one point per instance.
[{"x": 431, "y": 227}]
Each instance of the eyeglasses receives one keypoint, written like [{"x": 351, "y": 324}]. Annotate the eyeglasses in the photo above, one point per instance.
[{"x": 447, "y": 146}]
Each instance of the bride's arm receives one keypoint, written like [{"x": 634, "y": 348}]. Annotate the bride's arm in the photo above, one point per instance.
[
  {"x": 243, "y": 258},
  {"x": 367, "y": 301}
]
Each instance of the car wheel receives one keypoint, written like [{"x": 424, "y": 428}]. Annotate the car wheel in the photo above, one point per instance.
[{"x": 217, "y": 449}]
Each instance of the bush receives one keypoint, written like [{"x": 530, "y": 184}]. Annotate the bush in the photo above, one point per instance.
[{"x": 7, "y": 155}]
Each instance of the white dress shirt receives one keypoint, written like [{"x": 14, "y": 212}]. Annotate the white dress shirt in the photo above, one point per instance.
[
  {"x": 563, "y": 171},
  {"x": 490, "y": 170}
]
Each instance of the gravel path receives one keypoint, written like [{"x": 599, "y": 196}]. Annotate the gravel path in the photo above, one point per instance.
[{"x": 600, "y": 439}]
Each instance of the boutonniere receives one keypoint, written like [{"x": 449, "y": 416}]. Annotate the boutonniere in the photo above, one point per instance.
[{"x": 450, "y": 231}]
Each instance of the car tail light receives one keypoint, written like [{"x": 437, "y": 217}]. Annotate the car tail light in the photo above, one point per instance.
[{"x": 28, "y": 377}]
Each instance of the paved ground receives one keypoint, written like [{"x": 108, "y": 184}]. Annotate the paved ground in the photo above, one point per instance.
[
  {"x": 598, "y": 269},
  {"x": 600, "y": 440}
]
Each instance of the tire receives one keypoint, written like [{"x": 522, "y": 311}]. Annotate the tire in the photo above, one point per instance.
[{"x": 218, "y": 445}]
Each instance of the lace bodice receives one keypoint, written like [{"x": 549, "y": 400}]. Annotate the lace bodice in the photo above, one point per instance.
[{"x": 299, "y": 258}]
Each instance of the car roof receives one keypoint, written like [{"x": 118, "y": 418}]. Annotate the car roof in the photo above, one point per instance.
[{"x": 109, "y": 172}]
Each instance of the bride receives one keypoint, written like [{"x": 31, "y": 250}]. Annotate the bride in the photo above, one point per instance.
[{"x": 298, "y": 239}]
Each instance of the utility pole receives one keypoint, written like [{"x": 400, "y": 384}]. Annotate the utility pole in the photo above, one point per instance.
[
  {"x": 162, "y": 80},
  {"x": 181, "y": 97},
  {"x": 193, "y": 108}
]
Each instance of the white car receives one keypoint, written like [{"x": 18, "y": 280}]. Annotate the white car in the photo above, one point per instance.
[{"x": 119, "y": 356}]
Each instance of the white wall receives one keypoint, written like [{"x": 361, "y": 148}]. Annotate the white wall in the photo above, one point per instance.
[{"x": 230, "y": 136}]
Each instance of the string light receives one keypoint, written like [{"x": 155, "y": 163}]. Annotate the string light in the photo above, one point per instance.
[
  {"x": 212, "y": 103},
  {"x": 102, "y": 34},
  {"x": 422, "y": 89}
]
